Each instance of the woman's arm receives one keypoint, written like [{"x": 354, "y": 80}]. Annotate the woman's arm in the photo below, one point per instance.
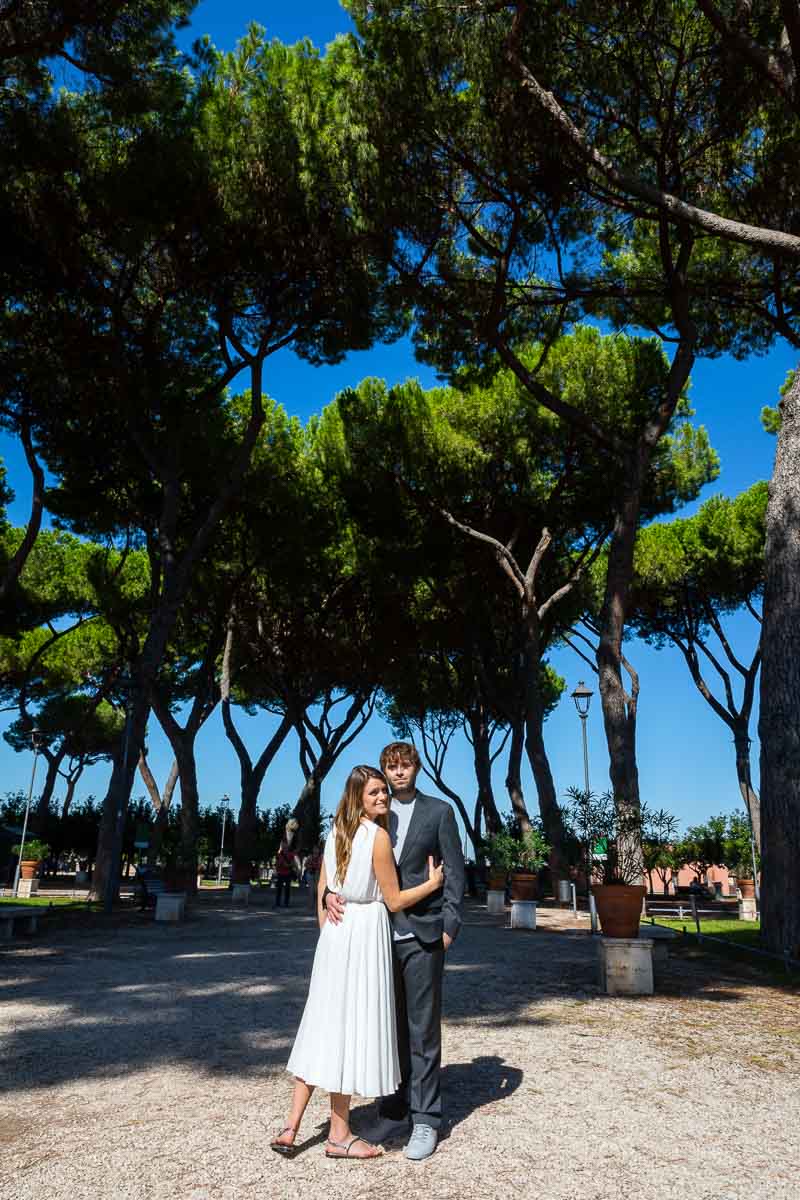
[
  {"x": 386, "y": 875},
  {"x": 322, "y": 883}
]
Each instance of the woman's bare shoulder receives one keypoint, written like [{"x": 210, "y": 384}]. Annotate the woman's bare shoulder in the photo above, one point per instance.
[{"x": 382, "y": 838}]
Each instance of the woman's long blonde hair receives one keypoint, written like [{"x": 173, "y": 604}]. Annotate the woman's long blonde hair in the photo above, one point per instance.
[{"x": 349, "y": 814}]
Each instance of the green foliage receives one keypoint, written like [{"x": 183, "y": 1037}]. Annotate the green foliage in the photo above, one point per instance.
[
  {"x": 691, "y": 571},
  {"x": 738, "y": 846},
  {"x": 723, "y": 840},
  {"x": 35, "y": 851},
  {"x": 595, "y": 820},
  {"x": 501, "y": 850}
]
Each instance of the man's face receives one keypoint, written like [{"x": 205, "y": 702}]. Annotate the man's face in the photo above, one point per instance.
[{"x": 402, "y": 775}]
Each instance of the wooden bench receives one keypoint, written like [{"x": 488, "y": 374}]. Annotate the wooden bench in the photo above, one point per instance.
[{"x": 9, "y": 917}]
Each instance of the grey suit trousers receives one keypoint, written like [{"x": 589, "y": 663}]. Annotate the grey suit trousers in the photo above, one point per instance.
[{"x": 418, "y": 972}]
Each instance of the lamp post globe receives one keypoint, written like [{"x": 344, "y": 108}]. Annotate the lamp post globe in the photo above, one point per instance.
[{"x": 583, "y": 698}]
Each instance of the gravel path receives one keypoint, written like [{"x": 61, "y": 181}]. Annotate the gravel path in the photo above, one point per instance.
[{"x": 146, "y": 1061}]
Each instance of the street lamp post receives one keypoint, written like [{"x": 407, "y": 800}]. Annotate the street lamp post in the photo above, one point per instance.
[
  {"x": 582, "y": 697},
  {"x": 225, "y": 801},
  {"x": 35, "y": 742}
]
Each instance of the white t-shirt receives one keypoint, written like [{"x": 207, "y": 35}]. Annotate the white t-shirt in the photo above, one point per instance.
[{"x": 400, "y": 816}]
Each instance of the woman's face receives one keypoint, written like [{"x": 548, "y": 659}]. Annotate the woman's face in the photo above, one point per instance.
[{"x": 375, "y": 799}]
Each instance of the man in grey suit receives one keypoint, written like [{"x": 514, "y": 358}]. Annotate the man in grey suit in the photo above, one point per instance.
[{"x": 420, "y": 826}]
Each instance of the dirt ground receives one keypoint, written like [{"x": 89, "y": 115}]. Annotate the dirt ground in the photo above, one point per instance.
[{"x": 147, "y": 1061}]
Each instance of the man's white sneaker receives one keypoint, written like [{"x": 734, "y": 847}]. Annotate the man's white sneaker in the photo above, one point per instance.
[{"x": 422, "y": 1143}]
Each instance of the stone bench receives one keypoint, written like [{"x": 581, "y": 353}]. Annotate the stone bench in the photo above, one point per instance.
[
  {"x": 626, "y": 966},
  {"x": 171, "y": 906},
  {"x": 9, "y": 917},
  {"x": 523, "y": 914}
]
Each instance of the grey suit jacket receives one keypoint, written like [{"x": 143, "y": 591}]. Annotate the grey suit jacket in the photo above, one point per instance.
[{"x": 432, "y": 830}]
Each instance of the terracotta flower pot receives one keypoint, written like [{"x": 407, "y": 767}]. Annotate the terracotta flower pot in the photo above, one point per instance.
[
  {"x": 747, "y": 888},
  {"x": 497, "y": 880},
  {"x": 27, "y": 868},
  {"x": 619, "y": 907},
  {"x": 524, "y": 885}
]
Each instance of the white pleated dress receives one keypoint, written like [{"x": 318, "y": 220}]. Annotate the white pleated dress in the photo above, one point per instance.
[{"x": 347, "y": 1040}]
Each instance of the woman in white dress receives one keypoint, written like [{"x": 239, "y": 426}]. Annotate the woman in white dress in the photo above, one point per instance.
[{"x": 347, "y": 1040}]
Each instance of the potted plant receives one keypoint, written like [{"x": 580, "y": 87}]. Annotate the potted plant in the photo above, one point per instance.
[
  {"x": 35, "y": 851},
  {"x": 501, "y": 851},
  {"x": 612, "y": 838},
  {"x": 738, "y": 854},
  {"x": 531, "y": 856}
]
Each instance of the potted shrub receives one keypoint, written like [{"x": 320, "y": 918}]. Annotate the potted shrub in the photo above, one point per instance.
[
  {"x": 738, "y": 854},
  {"x": 35, "y": 851},
  {"x": 501, "y": 851},
  {"x": 531, "y": 856},
  {"x": 612, "y": 839}
]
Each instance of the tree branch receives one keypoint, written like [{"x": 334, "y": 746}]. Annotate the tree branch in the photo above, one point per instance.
[{"x": 770, "y": 241}]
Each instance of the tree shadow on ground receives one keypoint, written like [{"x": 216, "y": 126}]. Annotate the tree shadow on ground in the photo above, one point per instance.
[
  {"x": 466, "y": 1087},
  {"x": 223, "y": 993}
]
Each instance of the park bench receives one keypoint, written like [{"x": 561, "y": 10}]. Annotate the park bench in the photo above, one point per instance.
[
  {"x": 147, "y": 887},
  {"x": 149, "y": 890},
  {"x": 9, "y": 917}
]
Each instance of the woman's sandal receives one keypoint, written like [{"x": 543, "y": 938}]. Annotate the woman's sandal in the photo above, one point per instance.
[
  {"x": 353, "y": 1157},
  {"x": 287, "y": 1149}
]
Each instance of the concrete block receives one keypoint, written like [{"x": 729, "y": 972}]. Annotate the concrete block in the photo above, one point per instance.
[
  {"x": 626, "y": 966},
  {"x": 27, "y": 888},
  {"x": 25, "y": 920},
  {"x": 241, "y": 893},
  {"x": 748, "y": 910},
  {"x": 171, "y": 906},
  {"x": 523, "y": 914},
  {"x": 496, "y": 902}
]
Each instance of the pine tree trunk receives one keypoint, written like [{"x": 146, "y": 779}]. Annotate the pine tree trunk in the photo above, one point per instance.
[
  {"x": 190, "y": 811},
  {"x": 307, "y": 811},
  {"x": 741, "y": 741},
  {"x": 552, "y": 821},
  {"x": 618, "y": 717},
  {"x": 244, "y": 845},
  {"x": 477, "y": 823},
  {"x": 779, "y": 726},
  {"x": 115, "y": 804},
  {"x": 514, "y": 775},
  {"x": 72, "y": 783},
  {"x": 482, "y": 761},
  {"x": 42, "y": 811}
]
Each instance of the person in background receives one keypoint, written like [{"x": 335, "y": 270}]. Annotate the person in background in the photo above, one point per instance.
[{"x": 285, "y": 866}]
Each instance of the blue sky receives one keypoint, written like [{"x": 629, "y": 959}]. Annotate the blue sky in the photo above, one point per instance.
[{"x": 685, "y": 753}]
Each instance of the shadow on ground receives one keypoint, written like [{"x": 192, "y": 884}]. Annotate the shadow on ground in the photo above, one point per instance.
[{"x": 223, "y": 993}]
